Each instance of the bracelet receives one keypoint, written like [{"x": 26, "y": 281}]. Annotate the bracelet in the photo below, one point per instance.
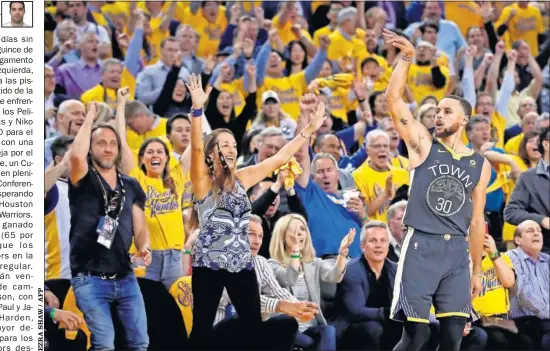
[
  {"x": 479, "y": 274},
  {"x": 52, "y": 313},
  {"x": 361, "y": 101},
  {"x": 296, "y": 256},
  {"x": 187, "y": 252},
  {"x": 305, "y": 135},
  {"x": 197, "y": 112},
  {"x": 495, "y": 255},
  {"x": 406, "y": 58},
  {"x": 366, "y": 218}
]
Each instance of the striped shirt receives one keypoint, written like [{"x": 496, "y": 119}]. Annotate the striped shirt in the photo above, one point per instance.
[
  {"x": 530, "y": 296},
  {"x": 270, "y": 291}
]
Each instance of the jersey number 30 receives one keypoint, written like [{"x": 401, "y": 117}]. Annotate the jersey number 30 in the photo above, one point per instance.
[{"x": 443, "y": 205}]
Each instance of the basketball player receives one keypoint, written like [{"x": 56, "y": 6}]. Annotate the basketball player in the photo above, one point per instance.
[{"x": 447, "y": 197}]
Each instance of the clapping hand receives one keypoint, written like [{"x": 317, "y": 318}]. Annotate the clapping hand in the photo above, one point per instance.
[
  {"x": 346, "y": 242},
  {"x": 198, "y": 95},
  {"x": 389, "y": 191}
]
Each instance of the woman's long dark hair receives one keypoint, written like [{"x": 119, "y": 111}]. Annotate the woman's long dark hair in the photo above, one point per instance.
[
  {"x": 167, "y": 179},
  {"x": 288, "y": 66},
  {"x": 522, "y": 152},
  {"x": 226, "y": 180}
]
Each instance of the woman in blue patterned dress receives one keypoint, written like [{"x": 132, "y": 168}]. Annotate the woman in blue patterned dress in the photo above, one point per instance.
[{"x": 221, "y": 257}]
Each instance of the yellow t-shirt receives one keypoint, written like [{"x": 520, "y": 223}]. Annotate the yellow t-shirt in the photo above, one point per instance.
[
  {"x": 290, "y": 90},
  {"x": 400, "y": 162},
  {"x": 101, "y": 94},
  {"x": 324, "y": 31},
  {"x": 512, "y": 145},
  {"x": 526, "y": 25},
  {"x": 465, "y": 14},
  {"x": 210, "y": 33},
  {"x": 163, "y": 209},
  {"x": 372, "y": 183},
  {"x": 338, "y": 103},
  {"x": 341, "y": 47},
  {"x": 420, "y": 82},
  {"x": 498, "y": 126},
  {"x": 135, "y": 140},
  {"x": 493, "y": 298},
  {"x": 238, "y": 92},
  {"x": 285, "y": 31}
]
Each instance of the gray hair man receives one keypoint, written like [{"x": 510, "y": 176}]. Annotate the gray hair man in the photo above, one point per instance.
[
  {"x": 397, "y": 229},
  {"x": 363, "y": 298}
]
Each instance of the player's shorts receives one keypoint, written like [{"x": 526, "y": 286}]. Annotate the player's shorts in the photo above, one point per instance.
[{"x": 432, "y": 268}]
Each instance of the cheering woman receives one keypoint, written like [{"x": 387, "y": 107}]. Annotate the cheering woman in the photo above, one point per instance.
[{"x": 222, "y": 257}]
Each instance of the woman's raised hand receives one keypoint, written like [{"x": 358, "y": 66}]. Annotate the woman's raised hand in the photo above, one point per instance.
[{"x": 198, "y": 95}]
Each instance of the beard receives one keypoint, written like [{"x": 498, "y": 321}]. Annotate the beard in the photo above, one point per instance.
[
  {"x": 103, "y": 163},
  {"x": 448, "y": 131}
]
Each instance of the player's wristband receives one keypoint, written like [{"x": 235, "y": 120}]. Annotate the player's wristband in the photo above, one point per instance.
[
  {"x": 52, "y": 313},
  {"x": 197, "y": 112}
]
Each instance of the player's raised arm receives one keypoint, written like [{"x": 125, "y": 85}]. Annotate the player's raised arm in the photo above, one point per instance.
[{"x": 415, "y": 135}]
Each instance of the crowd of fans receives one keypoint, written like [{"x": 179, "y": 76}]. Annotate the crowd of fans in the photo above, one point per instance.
[{"x": 324, "y": 229}]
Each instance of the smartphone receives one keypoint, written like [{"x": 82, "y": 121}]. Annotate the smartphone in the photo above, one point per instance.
[{"x": 350, "y": 193}]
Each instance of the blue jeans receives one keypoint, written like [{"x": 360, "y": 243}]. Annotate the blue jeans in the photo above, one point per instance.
[
  {"x": 94, "y": 297},
  {"x": 320, "y": 337},
  {"x": 165, "y": 267}
]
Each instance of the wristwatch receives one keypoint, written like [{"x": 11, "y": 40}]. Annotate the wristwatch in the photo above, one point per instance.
[{"x": 494, "y": 255}]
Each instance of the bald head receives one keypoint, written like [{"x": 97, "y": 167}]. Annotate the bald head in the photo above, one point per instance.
[{"x": 528, "y": 236}]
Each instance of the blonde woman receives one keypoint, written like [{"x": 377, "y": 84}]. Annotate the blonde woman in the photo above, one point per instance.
[
  {"x": 426, "y": 115},
  {"x": 298, "y": 270}
]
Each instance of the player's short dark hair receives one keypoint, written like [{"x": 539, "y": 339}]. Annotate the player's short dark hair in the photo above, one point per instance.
[
  {"x": 60, "y": 145},
  {"x": 475, "y": 120},
  {"x": 171, "y": 121},
  {"x": 367, "y": 60},
  {"x": 17, "y": 2},
  {"x": 427, "y": 25},
  {"x": 466, "y": 106},
  {"x": 544, "y": 134}
]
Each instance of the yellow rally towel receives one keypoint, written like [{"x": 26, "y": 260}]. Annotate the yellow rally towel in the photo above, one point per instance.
[
  {"x": 294, "y": 170},
  {"x": 339, "y": 80},
  {"x": 182, "y": 293}
]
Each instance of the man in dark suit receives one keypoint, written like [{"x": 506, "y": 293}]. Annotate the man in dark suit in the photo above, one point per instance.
[{"x": 363, "y": 298}]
